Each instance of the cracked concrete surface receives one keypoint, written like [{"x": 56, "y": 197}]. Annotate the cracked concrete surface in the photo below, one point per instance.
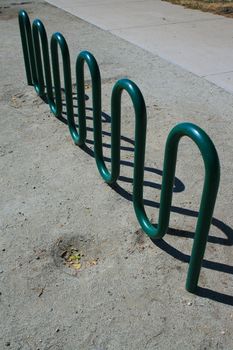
[{"x": 199, "y": 42}]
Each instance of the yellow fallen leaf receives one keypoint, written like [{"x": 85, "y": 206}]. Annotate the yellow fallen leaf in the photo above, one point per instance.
[
  {"x": 74, "y": 257},
  {"x": 76, "y": 266}
]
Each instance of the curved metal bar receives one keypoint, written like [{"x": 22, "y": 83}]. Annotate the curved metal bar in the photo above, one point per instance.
[
  {"x": 56, "y": 106},
  {"x": 140, "y": 130},
  {"x": 89, "y": 59},
  {"x": 209, "y": 194},
  {"x": 38, "y": 30},
  {"x": 58, "y": 40},
  {"x": 27, "y": 45},
  {"x": 140, "y": 113},
  {"x": 34, "y": 71}
]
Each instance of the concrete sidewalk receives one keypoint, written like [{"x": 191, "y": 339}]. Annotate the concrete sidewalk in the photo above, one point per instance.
[{"x": 199, "y": 42}]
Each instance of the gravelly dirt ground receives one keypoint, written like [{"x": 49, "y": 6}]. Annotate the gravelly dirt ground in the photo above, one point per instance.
[{"x": 52, "y": 198}]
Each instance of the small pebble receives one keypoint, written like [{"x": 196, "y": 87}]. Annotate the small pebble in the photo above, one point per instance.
[
  {"x": 57, "y": 330},
  {"x": 190, "y": 303},
  {"x": 8, "y": 343}
]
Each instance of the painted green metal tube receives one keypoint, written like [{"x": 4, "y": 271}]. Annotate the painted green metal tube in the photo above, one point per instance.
[
  {"x": 58, "y": 39},
  {"x": 56, "y": 105},
  {"x": 89, "y": 59},
  {"x": 27, "y": 45},
  {"x": 140, "y": 128},
  {"x": 34, "y": 72},
  {"x": 209, "y": 194},
  {"x": 140, "y": 114},
  {"x": 38, "y": 31}
]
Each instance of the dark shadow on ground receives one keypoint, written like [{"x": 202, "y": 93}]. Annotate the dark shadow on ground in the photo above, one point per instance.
[{"x": 178, "y": 187}]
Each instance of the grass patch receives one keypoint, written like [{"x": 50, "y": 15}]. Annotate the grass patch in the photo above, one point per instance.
[{"x": 224, "y": 8}]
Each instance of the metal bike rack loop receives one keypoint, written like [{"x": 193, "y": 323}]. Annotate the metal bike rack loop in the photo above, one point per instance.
[{"x": 36, "y": 50}]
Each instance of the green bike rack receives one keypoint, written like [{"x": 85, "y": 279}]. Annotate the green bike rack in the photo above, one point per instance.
[{"x": 34, "y": 40}]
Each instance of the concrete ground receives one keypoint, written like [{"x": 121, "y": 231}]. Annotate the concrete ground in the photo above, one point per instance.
[
  {"x": 128, "y": 292},
  {"x": 199, "y": 42}
]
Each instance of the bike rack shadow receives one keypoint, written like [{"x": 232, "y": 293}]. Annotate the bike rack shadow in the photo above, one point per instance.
[
  {"x": 178, "y": 187},
  {"x": 35, "y": 45}
]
